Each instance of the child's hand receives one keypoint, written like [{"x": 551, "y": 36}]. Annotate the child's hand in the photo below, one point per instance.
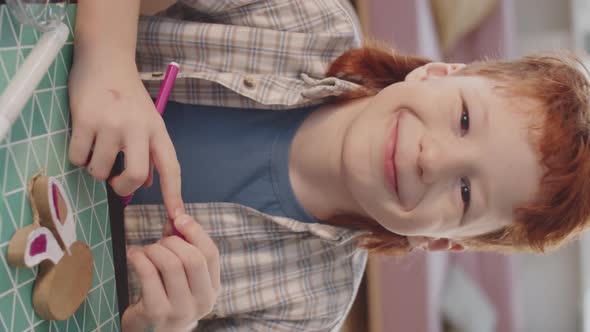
[
  {"x": 112, "y": 110},
  {"x": 179, "y": 280}
]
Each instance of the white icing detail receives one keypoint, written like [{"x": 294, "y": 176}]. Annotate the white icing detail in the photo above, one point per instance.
[
  {"x": 53, "y": 251},
  {"x": 67, "y": 231}
]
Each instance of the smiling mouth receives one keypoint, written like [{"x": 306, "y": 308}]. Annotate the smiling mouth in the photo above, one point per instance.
[{"x": 390, "y": 149}]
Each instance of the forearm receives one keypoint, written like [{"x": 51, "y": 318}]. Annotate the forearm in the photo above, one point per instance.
[{"x": 107, "y": 29}]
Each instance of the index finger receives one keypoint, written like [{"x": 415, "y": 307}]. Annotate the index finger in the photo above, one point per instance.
[{"x": 168, "y": 167}]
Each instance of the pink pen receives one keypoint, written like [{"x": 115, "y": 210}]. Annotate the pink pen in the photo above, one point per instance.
[
  {"x": 166, "y": 87},
  {"x": 161, "y": 101}
]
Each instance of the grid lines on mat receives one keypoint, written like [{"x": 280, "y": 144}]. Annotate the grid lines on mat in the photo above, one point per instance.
[{"x": 39, "y": 140}]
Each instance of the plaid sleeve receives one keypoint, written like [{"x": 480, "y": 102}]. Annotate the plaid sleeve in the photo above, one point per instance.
[
  {"x": 259, "y": 325},
  {"x": 216, "y": 6},
  {"x": 257, "y": 55}
]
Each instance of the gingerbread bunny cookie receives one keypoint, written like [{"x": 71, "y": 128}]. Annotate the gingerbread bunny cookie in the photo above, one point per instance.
[{"x": 65, "y": 264}]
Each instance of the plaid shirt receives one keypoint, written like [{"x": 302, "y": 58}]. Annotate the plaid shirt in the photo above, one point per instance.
[
  {"x": 277, "y": 274},
  {"x": 247, "y": 53}
]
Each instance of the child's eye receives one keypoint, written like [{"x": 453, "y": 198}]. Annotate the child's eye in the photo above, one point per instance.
[
  {"x": 465, "y": 193},
  {"x": 464, "y": 121}
]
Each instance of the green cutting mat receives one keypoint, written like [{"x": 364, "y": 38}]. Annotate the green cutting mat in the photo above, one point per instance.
[{"x": 39, "y": 139}]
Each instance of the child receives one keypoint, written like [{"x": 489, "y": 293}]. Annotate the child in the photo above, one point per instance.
[{"x": 407, "y": 154}]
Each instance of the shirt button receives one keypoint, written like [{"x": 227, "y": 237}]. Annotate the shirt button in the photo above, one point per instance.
[{"x": 249, "y": 82}]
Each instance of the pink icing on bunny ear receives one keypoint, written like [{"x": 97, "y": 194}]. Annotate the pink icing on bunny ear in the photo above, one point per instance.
[
  {"x": 39, "y": 245},
  {"x": 55, "y": 192}
]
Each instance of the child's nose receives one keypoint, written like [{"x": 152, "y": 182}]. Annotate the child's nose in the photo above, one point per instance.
[{"x": 440, "y": 159}]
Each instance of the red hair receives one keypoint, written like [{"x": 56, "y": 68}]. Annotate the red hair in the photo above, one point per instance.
[{"x": 560, "y": 210}]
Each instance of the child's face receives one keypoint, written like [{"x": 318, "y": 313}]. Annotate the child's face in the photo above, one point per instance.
[{"x": 463, "y": 156}]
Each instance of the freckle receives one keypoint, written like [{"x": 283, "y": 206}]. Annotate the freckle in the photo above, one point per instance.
[{"x": 116, "y": 94}]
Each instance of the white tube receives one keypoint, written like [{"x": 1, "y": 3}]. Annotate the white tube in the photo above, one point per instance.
[{"x": 28, "y": 76}]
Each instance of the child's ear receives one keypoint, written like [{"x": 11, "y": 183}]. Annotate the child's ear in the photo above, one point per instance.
[
  {"x": 439, "y": 245},
  {"x": 434, "y": 244},
  {"x": 444, "y": 245},
  {"x": 456, "y": 247},
  {"x": 433, "y": 69}
]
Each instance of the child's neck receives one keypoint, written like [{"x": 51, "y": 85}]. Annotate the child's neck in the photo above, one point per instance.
[{"x": 315, "y": 162}]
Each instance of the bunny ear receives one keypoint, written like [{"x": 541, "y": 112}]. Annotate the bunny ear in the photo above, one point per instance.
[
  {"x": 54, "y": 210},
  {"x": 41, "y": 245},
  {"x": 61, "y": 211}
]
